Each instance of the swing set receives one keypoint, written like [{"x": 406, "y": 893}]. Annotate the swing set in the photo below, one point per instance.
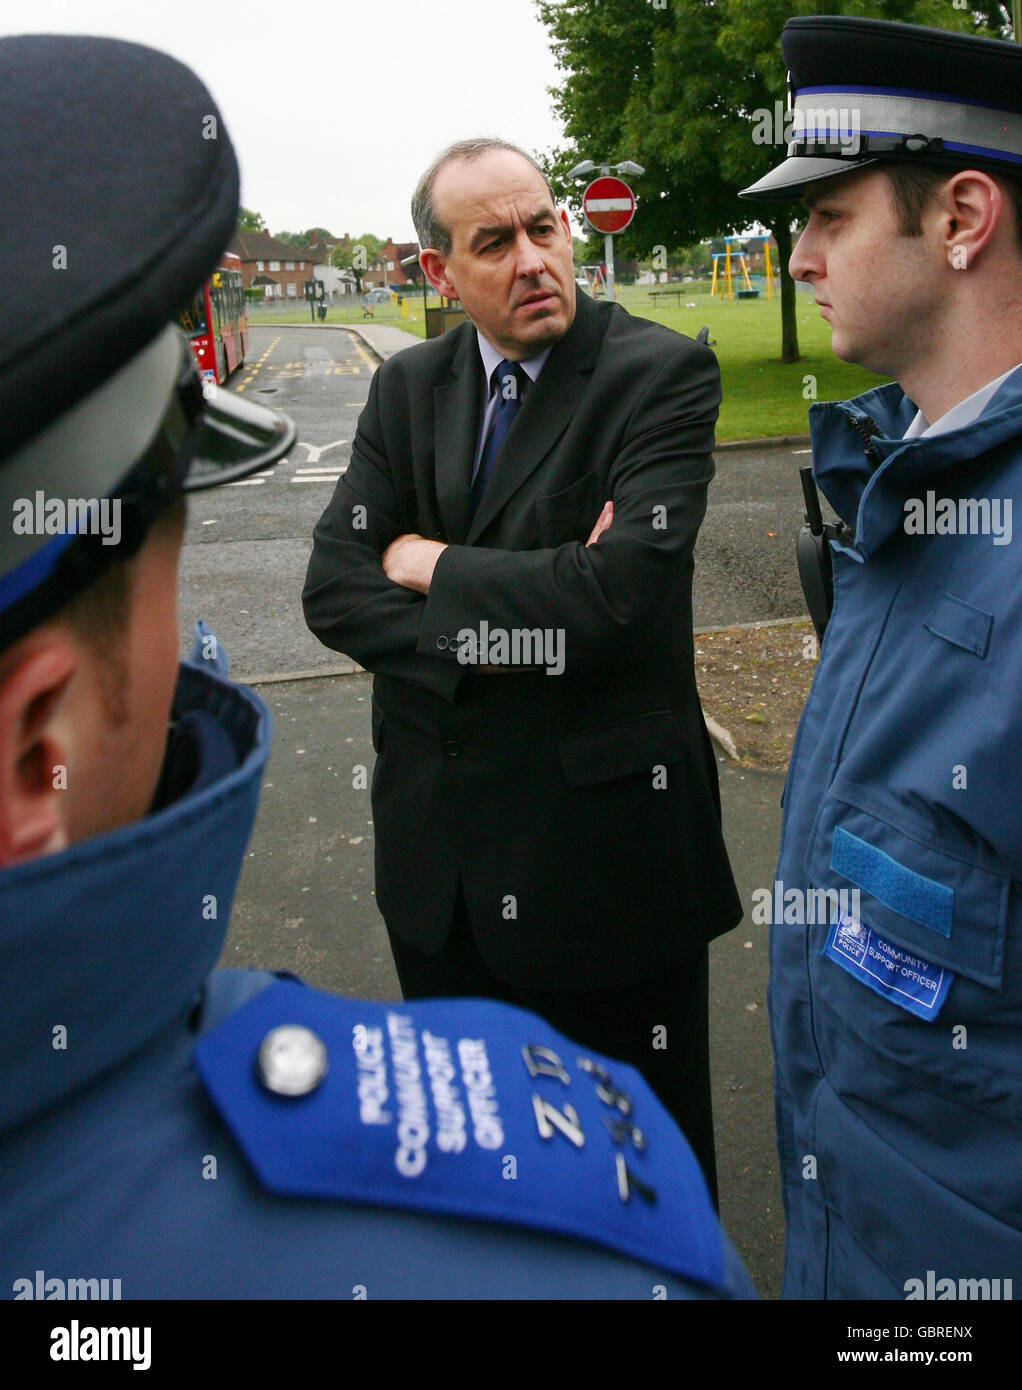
[{"x": 735, "y": 262}]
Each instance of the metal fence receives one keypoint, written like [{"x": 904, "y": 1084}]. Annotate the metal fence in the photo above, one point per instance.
[{"x": 347, "y": 308}]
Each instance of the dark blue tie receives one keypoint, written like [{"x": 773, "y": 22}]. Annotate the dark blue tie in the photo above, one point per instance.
[{"x": 508, "y": 379}]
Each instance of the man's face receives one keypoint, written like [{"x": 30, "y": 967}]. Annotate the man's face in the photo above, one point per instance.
[
  {"x": 881, "y": 292},
  {"x": 510, "y": 261}
]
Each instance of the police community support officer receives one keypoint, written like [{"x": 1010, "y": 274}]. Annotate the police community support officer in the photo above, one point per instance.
[
  {"x": 160, "y": 1126},
  {"x": 897, "y": 1019}
]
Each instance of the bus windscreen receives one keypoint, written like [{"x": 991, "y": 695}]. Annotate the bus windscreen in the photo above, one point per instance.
[{"x": 193, "y": 317}]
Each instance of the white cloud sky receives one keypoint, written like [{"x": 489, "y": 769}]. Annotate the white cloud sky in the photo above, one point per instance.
[{"x": 332, "y": 116}]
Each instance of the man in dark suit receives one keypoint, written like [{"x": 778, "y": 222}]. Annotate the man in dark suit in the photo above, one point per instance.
[{"x": 510, "y": 553}]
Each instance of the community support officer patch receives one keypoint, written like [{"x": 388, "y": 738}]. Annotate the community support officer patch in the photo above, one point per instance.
[
  {"x": 462, "y": 1106},
  {"x": 903, "y": 978}
]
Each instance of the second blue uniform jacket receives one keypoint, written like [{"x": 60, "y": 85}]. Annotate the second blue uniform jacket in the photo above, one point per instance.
[{"x": 897, "y": 1013}]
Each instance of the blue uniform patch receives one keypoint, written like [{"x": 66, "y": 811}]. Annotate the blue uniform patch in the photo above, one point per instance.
[
  {"x": 460, "y": 1106},
  {"x": 923, "y": 899},
  {"x": 897, "y": 975}
]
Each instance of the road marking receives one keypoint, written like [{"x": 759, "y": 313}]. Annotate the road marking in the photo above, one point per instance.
[
  {"x": 801, "y": 451},
  {"x": 319, "y": 475},
  {"x": 316, "y": 451},
  {"x": 253, "y": 369},
  {"x": 256, "y": 479},
  {"x": 363, "y": 353}
]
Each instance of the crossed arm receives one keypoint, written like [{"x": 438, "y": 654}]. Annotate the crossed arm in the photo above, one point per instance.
[
  {"x": 389, "y": 597},
  {"x": 410, "y": 560}
]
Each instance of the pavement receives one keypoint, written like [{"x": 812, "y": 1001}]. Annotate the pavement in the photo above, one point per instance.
[
  {"x": 306, "y": 903},
  {"x": 381, "y": 338}
]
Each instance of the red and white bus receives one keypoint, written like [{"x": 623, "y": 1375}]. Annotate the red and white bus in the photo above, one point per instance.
[{"x": 216, "y": 322}]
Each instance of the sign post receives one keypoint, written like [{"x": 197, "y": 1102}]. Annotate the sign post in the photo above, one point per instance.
[{"x": 609, "y": 206}]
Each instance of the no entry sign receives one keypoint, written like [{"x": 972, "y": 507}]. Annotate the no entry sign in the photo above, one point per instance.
[{"x": 609, "y": 204}]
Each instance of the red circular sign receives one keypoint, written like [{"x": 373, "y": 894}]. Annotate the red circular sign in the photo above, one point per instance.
[{"x": 609, "y": 204}]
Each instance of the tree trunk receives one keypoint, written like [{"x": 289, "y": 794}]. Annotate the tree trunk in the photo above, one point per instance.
[{"x": 789, "y": 326}]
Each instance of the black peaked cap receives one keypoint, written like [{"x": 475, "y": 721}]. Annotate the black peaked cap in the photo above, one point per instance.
[
  {"x": 106, "y": 151},
  {"x": 821, "y": 50},
  {"x": 913, "y": 93}
]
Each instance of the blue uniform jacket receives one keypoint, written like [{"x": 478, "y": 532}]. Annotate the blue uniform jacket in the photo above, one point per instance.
[
  {"x": 896, "y": 1004},
  {"x": 139, "y": 1147}
]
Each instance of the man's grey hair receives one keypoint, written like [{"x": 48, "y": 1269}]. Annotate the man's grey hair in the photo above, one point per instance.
[{"x": 428, "y": 227}]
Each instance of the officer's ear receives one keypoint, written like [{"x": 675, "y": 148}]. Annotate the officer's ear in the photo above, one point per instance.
[
  {"x": 972, "y": 206},
  {"x": 34, "y": 756}
]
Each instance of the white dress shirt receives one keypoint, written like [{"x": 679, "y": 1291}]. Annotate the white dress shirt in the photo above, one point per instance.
[{"x": 961, "y": 414}]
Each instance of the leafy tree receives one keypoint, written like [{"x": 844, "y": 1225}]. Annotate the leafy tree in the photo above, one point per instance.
[
  {"x": 249, "y": 221},
  {"x": 675, "y": 85},
  {"x": 357, "y": 256},
  {"x": 320, "y": 234}
]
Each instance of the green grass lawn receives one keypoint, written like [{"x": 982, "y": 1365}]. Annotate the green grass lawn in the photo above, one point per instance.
[
  {"x": 762, "y": 395},
  {"x": 341, "y": 312}
]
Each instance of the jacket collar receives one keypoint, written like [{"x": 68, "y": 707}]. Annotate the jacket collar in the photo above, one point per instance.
[
  {"x": 545, "y": 414},
  {"x": 112, "y": 939},
  {"x": 542, "y": 420},
  {"x": 871, "y": 497},
  {"x": 456, "y": 412}
]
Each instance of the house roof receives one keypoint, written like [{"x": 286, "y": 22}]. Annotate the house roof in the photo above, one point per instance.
[{"x": 260, "y": 246}]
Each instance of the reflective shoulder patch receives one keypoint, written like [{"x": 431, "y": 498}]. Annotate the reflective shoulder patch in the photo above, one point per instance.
[
  {"x": 898, "y": 975},
  {"x": 459, "y": 1106}
]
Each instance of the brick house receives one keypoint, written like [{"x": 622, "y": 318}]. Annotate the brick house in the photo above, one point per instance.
[
  {"x": 281, "y": 270},
  {"x": 386, "y": 269}
]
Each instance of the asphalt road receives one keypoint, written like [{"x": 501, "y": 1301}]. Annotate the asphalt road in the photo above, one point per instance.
[{"x": 306, "y": 898}]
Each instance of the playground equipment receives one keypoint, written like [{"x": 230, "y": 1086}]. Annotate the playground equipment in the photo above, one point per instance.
[
  {"x": 768, "y": 270},
  {"x": 735, "y": 262},
  {"x": 727, "y": 276},
  {"x": 596, "y": 278}
]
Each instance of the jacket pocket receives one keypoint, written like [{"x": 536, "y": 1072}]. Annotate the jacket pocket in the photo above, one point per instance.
[
  {"x": 619, "y": 750},
  {"x": 929, "y": 891},
  {"x": 571, "y": 514},
  {"x": 962, "y": 624},
  {"x": 892, "y": 1220}
]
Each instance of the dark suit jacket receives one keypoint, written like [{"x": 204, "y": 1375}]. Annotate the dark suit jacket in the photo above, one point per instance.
[{"x": 580, "y": 811}]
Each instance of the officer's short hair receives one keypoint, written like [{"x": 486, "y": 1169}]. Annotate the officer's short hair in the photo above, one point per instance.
[
  {"x": 99, "y": 616},
  {"x": 913, "y": 187}
]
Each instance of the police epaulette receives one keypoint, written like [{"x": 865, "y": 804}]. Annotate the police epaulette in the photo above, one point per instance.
[{"x": 459, "y": 1106}]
